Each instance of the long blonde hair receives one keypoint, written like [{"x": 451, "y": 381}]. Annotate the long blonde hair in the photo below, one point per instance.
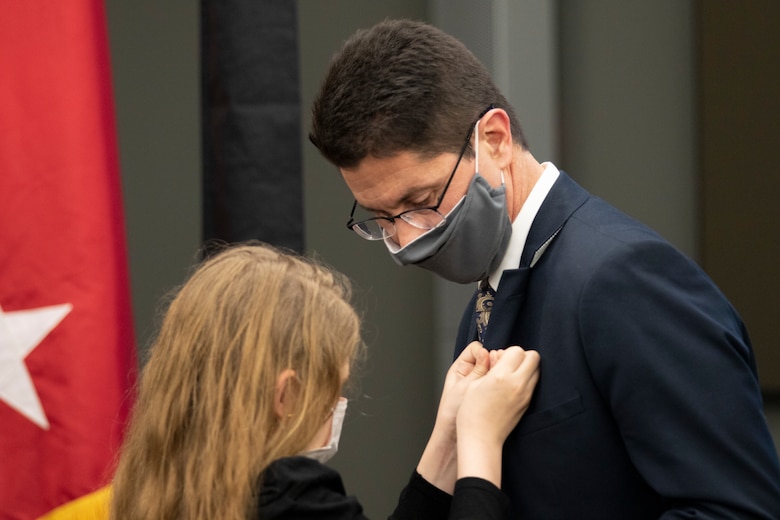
[{"x": 204, "y": 425}]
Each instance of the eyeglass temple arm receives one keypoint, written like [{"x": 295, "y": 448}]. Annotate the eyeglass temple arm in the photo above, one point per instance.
[
  {"x": 351, "y": 220},
  {"x": 463, "y": 150}
]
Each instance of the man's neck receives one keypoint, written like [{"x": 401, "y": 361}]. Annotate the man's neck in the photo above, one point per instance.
[{"x": 524, "y": 172}]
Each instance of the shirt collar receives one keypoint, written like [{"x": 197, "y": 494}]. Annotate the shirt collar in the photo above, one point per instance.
[{"x": 522, "y": 223}]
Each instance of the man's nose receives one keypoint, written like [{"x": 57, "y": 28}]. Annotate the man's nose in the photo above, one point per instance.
[{"x": 405, "y": 232}]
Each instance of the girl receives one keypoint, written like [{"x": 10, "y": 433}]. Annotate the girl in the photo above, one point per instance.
[{"x": 240, "y": 403}]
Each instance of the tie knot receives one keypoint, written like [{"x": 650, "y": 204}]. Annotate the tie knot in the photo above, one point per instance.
[{"x": 485, "y": 288}]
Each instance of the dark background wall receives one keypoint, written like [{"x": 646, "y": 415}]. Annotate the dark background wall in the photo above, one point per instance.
[{"x": 739, "y": 132}]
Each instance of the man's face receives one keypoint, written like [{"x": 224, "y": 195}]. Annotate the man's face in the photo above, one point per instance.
[{"x": 388, "y": 186}]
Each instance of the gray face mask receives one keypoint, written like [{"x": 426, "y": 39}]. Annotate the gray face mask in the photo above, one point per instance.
[{"x": 471, "y": 243}]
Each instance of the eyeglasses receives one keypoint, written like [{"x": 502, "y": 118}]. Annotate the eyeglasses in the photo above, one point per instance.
[{"x": 380, "y": 228}]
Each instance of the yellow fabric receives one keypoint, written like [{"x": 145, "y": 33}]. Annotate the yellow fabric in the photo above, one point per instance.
[{"x": 93, "y": 506}]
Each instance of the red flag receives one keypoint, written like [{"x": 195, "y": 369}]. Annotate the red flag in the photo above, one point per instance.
[{"x": 67, "y": 359}]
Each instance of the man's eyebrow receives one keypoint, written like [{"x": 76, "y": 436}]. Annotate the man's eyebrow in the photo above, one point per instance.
[{"x": 405, "y": 199}]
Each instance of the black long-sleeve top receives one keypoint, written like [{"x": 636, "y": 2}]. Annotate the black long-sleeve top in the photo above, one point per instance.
[{"x": 301, "y": 488}]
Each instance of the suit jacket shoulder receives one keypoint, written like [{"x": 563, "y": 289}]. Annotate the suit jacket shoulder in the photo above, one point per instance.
[{"x": 648, "y": 398}]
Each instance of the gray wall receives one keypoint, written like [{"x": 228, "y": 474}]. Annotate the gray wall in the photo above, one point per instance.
[
  {"x": 627, "y": 109},
  {"x": 155, "y": 62}
]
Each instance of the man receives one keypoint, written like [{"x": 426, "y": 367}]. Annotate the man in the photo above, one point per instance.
[{"x": 648, "y": 404}]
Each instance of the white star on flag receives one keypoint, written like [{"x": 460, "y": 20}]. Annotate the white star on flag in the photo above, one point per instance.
[{"x": 20, "y": 333}]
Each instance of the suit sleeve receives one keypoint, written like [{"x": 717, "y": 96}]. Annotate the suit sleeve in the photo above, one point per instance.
[{"x": 672, "y": 358}]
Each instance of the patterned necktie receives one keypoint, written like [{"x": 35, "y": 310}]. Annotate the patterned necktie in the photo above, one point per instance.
[{"x": 484, "y": 306}]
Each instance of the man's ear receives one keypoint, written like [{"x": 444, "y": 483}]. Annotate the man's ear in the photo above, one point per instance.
[
  {"x": 284, "y": 393},
  {"x": 496, "y": 132}
]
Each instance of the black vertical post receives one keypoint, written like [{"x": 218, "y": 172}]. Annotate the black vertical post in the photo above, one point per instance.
[{"x": 251, "y": 124}]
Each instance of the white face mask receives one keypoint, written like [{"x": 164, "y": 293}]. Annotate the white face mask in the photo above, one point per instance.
[{"x": 325, "y": 453}]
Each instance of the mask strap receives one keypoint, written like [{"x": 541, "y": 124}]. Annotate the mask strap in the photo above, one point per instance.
[
  {"x": 476, "y": 146},
  {"x": 476, "y": 151}
]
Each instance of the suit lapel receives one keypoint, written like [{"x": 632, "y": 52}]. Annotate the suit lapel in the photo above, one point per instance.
[
  {"x": 562, "y": 201},
  {"x": 565, "y": 197}
]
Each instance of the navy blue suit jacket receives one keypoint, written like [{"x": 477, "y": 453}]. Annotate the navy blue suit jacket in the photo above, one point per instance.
[{"x": 648, "y": 404}]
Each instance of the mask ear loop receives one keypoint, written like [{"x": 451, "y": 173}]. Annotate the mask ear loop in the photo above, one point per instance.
[
  {"x": 476, "y": 146},
  {"x": 476, "y": 151}
]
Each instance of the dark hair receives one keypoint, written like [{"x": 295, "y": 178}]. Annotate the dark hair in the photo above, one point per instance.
[{"x": 401, "y": 85}]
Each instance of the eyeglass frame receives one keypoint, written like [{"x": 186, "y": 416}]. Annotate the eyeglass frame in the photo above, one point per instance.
[{"x": 351, "y": 224}]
